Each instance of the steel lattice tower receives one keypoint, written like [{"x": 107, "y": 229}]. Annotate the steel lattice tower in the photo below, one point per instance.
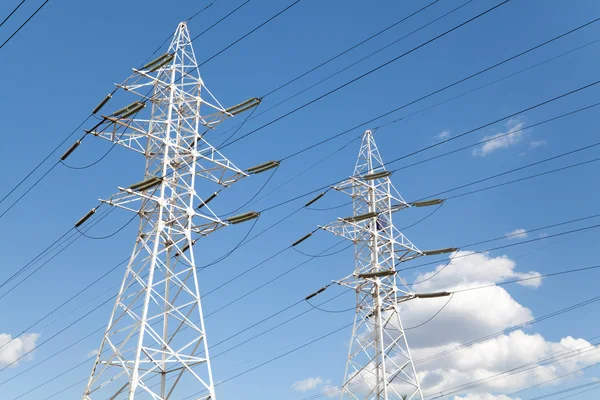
[
  {"x": 379, "y": 363},
  {"x": 155, "y": 342}
]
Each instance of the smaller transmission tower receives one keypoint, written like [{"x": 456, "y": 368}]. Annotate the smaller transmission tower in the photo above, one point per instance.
[
  {"x": 379, "y": 365},
  {"x": 155, "y": 346}
]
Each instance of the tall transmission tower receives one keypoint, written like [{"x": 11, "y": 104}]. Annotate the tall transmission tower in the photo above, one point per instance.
[
  {"x": 379, "y": 363},
  {"x": 155, "y": 343}
]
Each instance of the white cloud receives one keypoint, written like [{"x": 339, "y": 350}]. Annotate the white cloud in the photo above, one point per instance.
[
  {"x": 92, "y": 353},
  {"x": 485, "y": 396},
  {"x": 307, "y": 384},
  {"x": 543, "y": 235},
  {"x": 15, "y": 349},
  {"x": 443, "y": 135},
  {"x": 474, "y": 314},
  {"x": 471, "y": 315},
  {"x": 517, "y": 234},
  {"x": 490, "y": 359},
  {"x": 512, "y": 136},
  {"x": 537, "y": 143}
]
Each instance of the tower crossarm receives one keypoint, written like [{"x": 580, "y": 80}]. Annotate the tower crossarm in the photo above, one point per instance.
[
  {"x": 204, "y": 222},
  {"x": 357, "y": 187},
  {"x": 360, "y": 231}
]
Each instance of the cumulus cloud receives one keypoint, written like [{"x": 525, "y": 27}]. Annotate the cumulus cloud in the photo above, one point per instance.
[
  {"x": 471, "y": 315},
  {"x": 484, "y": 396},
  {"x": 517, "y": 234},
  {"x": 537, "y": 143},
  {"x": 92, "y": 353},
  {"x": 443, "y": 135},
  {"x": 307, "y": 384},
  {"x": 12, "y": 350},
  {"x": 487, "y": 361},
  {"x": 502, "y": 140}
]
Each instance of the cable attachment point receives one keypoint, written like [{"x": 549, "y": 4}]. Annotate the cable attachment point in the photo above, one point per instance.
[
  {"x": 102, "y": 104},
  {"x": 129, "y": 110},
  {"x": 70, "y": 150},
  {"x": 377, "y": 274},
  {"x": 85, "y": 218},
  {"x": 146, "y": 184},
  {"x": 439, "y": 251},
  {"x": 315, "y": 199},
  {"x": 302, "y": 239},
  {"x": 237, "y": 219},
  {"x": 207, "y": 200},
  {"x": 361, "y": 217},
  {"x": 244, "y": 106},
  {"x": 376, "y": 175},
  {"x": 431, "y": 295},
  {"x": 263, "y": 167},
  {"x": 310, "y": 296},
  {"x": 427, "y": 203}
]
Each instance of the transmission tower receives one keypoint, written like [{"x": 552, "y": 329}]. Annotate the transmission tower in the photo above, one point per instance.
[
  {"x": 155, "y": 344},
  {"x": 379, "y": 362}
]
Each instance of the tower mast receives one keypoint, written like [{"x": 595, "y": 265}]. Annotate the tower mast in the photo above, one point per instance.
[
  {"x": 379, "y": 365},
  {"x": 155, "y": 345}
]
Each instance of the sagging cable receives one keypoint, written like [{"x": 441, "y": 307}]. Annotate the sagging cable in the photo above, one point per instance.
[
  {"x": 85, "y": 217},
  {"x": 377, "y": 274},
  {"x": 263, "y": 167},
  {"x": 310, "y": 296},
  {"x": 70, "y": 150},
  {"x": 237, "y": 219},
  {"x": 244, "y": 106},
  {"x": 427, "y": 203},
  {"x": 376, "y": 175},
  {"x": 102, "y": 104},
  {"x": 315, "y": 199},
  {"x": 439, "y": 251}
]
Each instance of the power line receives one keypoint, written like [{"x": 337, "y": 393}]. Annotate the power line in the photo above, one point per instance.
[
  {"x": 298, "y": 315},
  {"x": 12, "y": 12},
  {"x": 24, "y": 23},
  {"x": 486, "y": 338},
  {"x": 351, "y": 48},
  {"x": 487, "y": 69},
  {"x": 367, "y": 73},
  {"x": 505, "y": 246},
  {"x": 244, "y": 36}
]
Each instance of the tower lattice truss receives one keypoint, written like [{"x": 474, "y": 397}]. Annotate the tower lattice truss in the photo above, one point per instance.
[
  {"x": 155, "y": 346},
  {"x": 379, "y": 362}
]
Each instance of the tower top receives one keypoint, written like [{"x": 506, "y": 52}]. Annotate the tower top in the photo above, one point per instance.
[{"x": 369, "y": 160}]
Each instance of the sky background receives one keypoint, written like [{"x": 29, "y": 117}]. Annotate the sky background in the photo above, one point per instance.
[{"x": 58, "y": 68}]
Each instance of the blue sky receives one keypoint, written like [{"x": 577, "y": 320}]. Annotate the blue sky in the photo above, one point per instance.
[{"x": 65, "y": 61}]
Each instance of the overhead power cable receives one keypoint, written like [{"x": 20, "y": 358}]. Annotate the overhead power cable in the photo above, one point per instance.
[
  {"x": 367, "y": 73},
  {"x": 24, "y": 23},
  {"x": 486, "y": 338},
  {"x": 12, "y": 12},
  {"x": 298, "y": 315},
  {"x": 277, "y": 278},
  {"x": 455, "y": 83},
  {"x": 373, "y": 36}
]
